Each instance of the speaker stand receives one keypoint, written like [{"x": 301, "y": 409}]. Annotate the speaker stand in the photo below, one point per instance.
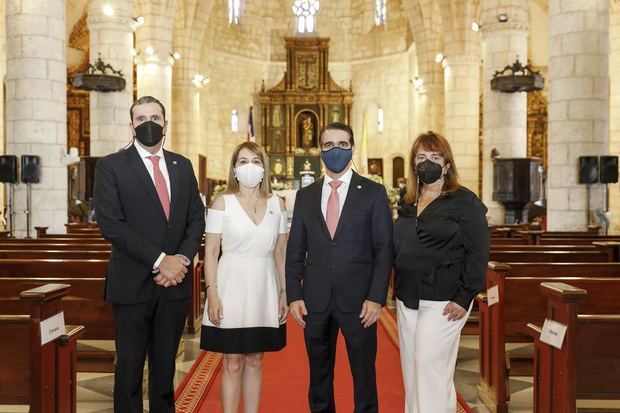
[
  {"x": 28, "y": 209},
  {"x": 11, "y": 210}
]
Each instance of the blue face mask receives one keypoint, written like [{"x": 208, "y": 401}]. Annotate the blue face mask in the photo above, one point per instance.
[{"x": 336, "y": 159}]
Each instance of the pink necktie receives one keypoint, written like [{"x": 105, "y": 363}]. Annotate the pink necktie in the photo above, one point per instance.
[
  {"x": 333, "y": 208},
  {"x": 160, "y": 185}
]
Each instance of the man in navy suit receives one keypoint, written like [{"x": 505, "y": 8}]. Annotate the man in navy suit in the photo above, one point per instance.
[
  {"x": 149, "y": 208},
  {"x": 338, "y": 264}
]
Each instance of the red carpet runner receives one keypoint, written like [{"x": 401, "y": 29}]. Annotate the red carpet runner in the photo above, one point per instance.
[{"x": 285, "y": 377}]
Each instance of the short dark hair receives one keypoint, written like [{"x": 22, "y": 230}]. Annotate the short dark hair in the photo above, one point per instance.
[
  {"x": 147, "y": 99},
  {"x": 337, "y": 126}
]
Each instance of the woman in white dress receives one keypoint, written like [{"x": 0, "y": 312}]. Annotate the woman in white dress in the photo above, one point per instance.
[{"x": 246, "y": 308}]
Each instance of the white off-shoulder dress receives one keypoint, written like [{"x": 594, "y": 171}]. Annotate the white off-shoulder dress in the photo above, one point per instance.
[{"x": 247, "y": 280}]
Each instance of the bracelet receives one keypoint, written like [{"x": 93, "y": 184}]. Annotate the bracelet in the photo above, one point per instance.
[
  {"x": 210, "y": 285},
  {"x": 282, "y": 291}
]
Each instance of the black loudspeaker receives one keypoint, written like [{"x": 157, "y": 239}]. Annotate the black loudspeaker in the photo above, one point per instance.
[
  {"x": 30, "y": 169},
  {"x": 8, "y": 169},
  {"x": 588, "y": 169},
  {"x": 608, "y": 170}
]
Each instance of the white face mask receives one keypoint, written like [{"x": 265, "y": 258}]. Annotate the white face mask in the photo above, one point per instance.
[{"x": 249, "y": 175}]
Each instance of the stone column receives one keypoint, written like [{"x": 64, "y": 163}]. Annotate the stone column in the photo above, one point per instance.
[
  {"x": 36, "y": 107},
  {"x": 429, "y": 107},
  {"x": 578, "y": 107},
  {"x": 186, "y": 103},
  {"x": 154, "y": 60},
  {"x": 112, "y": 38},
  {"x": 2, "y": 74},
  {"x": 504, "y": 114},
  {"x": 462, "y": 114},
  {"x": 614, "y": 108}
]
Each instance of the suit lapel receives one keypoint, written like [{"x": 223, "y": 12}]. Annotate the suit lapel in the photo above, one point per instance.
[
  {"x": 173, "y": 173},
  {"x": 315, "y": 199},
  {"x": 137, "y": 165},
  {"x": 354, "y": 196}
]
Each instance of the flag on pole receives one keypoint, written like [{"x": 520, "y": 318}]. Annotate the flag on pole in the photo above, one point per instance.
[
  {"x": 364, "y": 151},
  {"x": 250, "y": 135}
]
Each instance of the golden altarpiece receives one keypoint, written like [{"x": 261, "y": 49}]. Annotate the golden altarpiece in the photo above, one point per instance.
[{"x": 295, "y": 110}]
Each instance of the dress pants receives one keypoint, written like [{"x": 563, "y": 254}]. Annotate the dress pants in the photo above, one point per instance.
[
  {"x": 154, "y": 327},
  {"x": 321, "y": 334},
  {"x": 429, "y": 345}
]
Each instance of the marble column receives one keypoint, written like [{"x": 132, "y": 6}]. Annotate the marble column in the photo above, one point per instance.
[
  {"x": 111, "y": 37},
  {"x": 578, "y": 108},
  {"x": 504, "y": 114},
  {"x": 36, "y": 105}
]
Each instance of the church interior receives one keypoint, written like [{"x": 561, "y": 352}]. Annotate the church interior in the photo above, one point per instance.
[{"x": 527, "y": 92}]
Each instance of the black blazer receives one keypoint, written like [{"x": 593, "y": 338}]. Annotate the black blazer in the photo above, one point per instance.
[
  {"x": 131, "y": 217},
  {"x": 356, "y": 264},
  {"x": 444, "y": 255}
]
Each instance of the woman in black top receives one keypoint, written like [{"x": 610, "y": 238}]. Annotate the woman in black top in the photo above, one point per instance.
[{"x": 441, "y": 244}]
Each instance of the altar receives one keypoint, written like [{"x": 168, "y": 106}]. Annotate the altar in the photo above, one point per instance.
[{"x": 295, "y": 110}]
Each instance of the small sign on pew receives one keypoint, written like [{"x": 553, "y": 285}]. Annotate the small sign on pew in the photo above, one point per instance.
[
  {"x": 52, "y": 328},
  {"x": 493, "y": 295},
  {"x": 553, "y": 333}
]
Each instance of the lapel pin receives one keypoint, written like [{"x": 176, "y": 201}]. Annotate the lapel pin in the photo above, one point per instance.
[
  {"x": 359, "y": 187},
  {"x": 174, "y": 162}
]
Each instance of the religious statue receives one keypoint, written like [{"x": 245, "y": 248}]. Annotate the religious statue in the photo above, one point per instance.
[
  {"x": 336, "y": 114},
  {"x": 276, "y": 116},
  {"x": 307, "y": 139},
  {"x": 278, "y": 167},
  {"x": 276, "y": 142}
]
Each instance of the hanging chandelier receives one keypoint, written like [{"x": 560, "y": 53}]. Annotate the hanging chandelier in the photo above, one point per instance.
[
  {"x": 517, "y": 78},
  {"x": 100, "y": 77}
]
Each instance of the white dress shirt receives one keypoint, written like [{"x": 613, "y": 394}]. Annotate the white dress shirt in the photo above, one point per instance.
[
  {"x": 144, "y": 154},
  {"x": 343, "y": 189}
]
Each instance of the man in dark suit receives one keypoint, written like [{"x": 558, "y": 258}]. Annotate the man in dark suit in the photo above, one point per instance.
[
  {"x": 149, "y": 208},
  {"x": 338, "y": 263}
]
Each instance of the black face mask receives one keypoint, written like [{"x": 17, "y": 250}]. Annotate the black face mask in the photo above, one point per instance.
[
  {"x": 149, "y": 133},
  {"x": 428, "y": 171}
]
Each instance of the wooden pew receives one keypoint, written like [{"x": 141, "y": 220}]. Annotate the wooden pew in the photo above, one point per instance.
[
  {"x": 53, "y": 268},
  {"x": 548, "y": 256},
  {"x": 519, "y": 303},
  {"x": 84, "y": 305},
  {"x": 56, "y": 246},
  {"x": 43, "y": 377},
  {"x": 39, "y": 254},
  {"x": 588, "y": 364},
  {"x": 508, "y": 241},
  {"x": 606, "y": 247},
  {"x": 89, "y": 268},
  {"x": 42, "y": 233}
]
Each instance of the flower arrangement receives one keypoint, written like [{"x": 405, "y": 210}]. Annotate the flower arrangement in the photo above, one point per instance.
[
  {"x": 392, "y": 193},
  {"x": 218, "y": 190}
]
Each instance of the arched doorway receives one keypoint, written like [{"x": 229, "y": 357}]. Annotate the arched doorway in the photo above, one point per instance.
[{"x": 398, "y": 170}]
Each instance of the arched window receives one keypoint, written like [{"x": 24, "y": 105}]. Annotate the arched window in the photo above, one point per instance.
[
  {"x": 233, "y": 11},
  {"x": 380, "y": 12},
  {"x": 234, "y": 121},
  {"x": 305, "y": 10}
]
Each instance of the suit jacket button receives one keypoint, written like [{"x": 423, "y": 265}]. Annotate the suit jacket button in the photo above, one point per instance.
[
  {"x": 169, "y": 226},
  {"x": 333, "y": 244}
]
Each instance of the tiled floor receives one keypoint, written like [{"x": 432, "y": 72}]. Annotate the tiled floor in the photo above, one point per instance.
[
  {"x": 467, "y": 377},
  {"x": 95, "y": 389}
]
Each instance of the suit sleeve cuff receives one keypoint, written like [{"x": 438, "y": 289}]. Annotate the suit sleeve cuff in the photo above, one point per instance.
[
  {"x": 159, "y": 260},
  {"x": 463, "y": 298},
  {"x": 186, "y": 260}
]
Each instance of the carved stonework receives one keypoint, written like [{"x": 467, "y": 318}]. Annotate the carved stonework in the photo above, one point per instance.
[
  {"x": 295, "y": 110},
  {"x": 537, "y": 126},
  {"x": 78, "y": 120}
]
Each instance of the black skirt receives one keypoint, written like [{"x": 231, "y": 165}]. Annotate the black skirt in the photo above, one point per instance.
[{"x": 243, "y": 340}]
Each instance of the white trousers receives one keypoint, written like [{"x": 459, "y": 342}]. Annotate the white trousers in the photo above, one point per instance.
[{"x": 429, "y": 345}]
